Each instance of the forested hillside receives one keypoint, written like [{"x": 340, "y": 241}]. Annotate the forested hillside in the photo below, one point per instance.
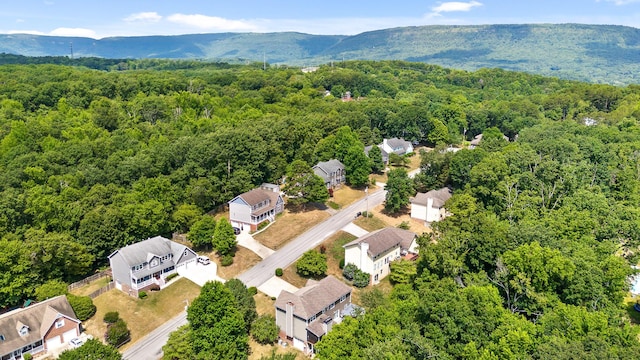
[
  {"x": 593, "y": 53},
  {"x": 533, "y": 263}
]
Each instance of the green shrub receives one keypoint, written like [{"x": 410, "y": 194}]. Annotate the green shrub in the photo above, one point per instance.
[
  {"x": 349, "y": 271},
  {"x": 226, "y": 260},
  {"x": 264, "y": 329},
  {"x": 27, "y": 356},
  {"x": 404, "y": 225},
  {"x": 252, "y": 290},
  {"x": 118, "y": 333},
  {"x": 142, "y": 294},
  {"x": 278, "y": 272},
  {"x": 341, "y": 264},
  {"x": 111, "y": 317},
  {"x": 171, "y": 277},
  {"x": 263, "y": 225},
  {"x": 361, "y": 279},
  {"x": 82, "y": 305}
]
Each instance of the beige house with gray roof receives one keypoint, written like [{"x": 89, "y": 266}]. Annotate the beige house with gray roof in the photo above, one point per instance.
[
  {"x": 374, "y": 252},
  {"x": 306, "y": 315},
  {"x": 429, "y": 206},
  {"x": 38, "y": 328},
  {"x": 146, "y": 264}
]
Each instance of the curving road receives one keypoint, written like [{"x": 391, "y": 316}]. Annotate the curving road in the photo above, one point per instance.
[{"x": 150, "y": 347}]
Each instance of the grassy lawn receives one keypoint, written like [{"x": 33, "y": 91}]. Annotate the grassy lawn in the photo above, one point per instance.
[
  {"x": 289, "y": 226},
  {"x": 371, "y": 223},
  {"x": 92, "y": 286},
  {"x": 142, "y": 316},
  {"x": 345, "y": 196},
  {"x": 381, "y": 220},
  {"x": 335, "y": 251},
  {"x": 242, "y": 261}
]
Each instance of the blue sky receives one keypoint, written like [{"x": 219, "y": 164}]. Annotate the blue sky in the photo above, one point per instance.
[{"x": 98, "y": 19}]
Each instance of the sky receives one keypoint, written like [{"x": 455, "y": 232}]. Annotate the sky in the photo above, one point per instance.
[{"x": 99, "y": 19}]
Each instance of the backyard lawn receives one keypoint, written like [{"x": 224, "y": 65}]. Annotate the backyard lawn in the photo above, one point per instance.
[{"x": 142, "y": 315}]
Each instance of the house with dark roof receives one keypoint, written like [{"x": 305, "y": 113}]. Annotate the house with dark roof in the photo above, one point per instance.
[
  {"x": 332, "y": 172},
  {"x": 146, "y": 264},
  {"x": 38, "y": 328},
  {"x": 374, "y": 252},
  {"x": 429, "y": 206},
  {"x": 250, "y": 209},
  {"x": 306, "y": 315}
]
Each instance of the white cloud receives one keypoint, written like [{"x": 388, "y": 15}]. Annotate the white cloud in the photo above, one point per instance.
[
  {"x": 151, "y": 16},
  {"x": 621, "y": 2},
  {"x": 453, "y": 6},
  {"x": 79, "y": 32},
  {"x": 205, "y": 22}
]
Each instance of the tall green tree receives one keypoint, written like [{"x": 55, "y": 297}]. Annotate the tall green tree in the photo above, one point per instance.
[
  {"x": 312, "y": 264},
  {"x": 201, "y": 232},
  {"x": 224, "y": 239},
  {"x": 399, "y": 188},
  {"x": 218, "y": 330},
  {"x": 375, "y": 155},
  {"x": 246, "y": 302},
  {"x": 303, "y": 185}
]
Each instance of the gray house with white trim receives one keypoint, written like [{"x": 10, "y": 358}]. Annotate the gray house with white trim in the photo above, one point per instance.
[
  {"x": 147, "y": 263},
  {"x": 250, "y": 209}
]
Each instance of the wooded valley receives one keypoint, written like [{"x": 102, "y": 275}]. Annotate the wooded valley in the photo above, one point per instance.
[{"x": 534, "y": 262}]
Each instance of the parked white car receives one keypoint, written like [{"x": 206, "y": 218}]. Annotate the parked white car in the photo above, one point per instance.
[
  {"x": 204, "y": 260},
  {"x": 76, "y": 342}
]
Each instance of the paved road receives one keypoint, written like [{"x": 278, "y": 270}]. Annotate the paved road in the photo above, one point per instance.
[
  {"x": 265, "y": 269},
  {"x": 150, "y": 347}
]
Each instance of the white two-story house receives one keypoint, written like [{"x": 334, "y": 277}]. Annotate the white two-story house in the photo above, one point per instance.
[
  {"x": 429, "y": 206},
  {"x": 374, "y": 252},
  {"x": 248, "y": 210},
  {"x": 147, "y": 263}
]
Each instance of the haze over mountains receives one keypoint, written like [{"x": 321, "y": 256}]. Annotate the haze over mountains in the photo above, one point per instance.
[{"x": 594, "y": 53}]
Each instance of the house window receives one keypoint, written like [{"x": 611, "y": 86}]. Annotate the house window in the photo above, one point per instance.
[
  {"x": 24, "y": 330},
  {"x": 343, "y": 298},
  {"x": 1, "y": 337},
  {"x": 59, "y": 323}
]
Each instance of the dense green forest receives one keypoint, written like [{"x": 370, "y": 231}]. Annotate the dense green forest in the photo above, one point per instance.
[{"x": 533, "y": 263}]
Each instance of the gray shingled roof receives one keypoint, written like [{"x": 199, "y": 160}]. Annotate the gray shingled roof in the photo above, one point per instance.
[
  {"x": 330, "y": 166},
  {"x": 439, "y": 197},
  {"x": 381, "y": 241},
  {"x": 38, "y": 317},
  {"x": 138, "y": 253},
  {"x": 256, "y": 196},
  {"x": 396, "y": 143},
  {"x": 314, "y": 297}
]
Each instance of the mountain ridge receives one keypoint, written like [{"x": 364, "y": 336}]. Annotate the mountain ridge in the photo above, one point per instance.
[{"x": 594, "y": 53}]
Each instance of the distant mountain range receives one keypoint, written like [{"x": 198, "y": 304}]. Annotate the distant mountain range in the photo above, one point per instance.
[{"x": 594, "y": 53}]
